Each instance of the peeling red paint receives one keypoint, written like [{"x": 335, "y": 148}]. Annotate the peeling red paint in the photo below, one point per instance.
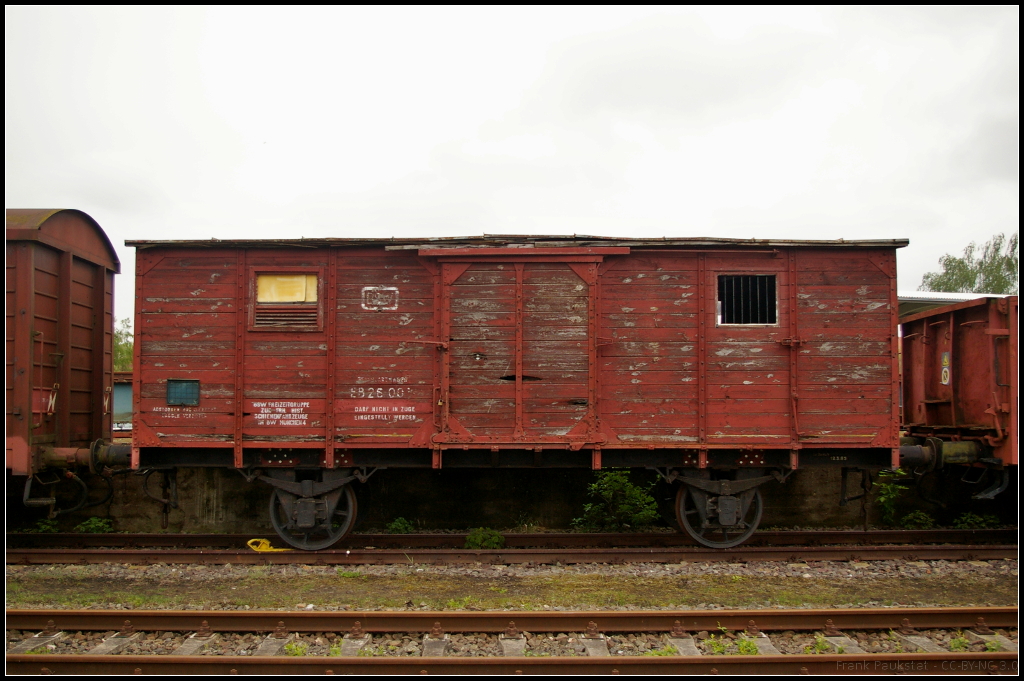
[{"x": 568, "y": 345}]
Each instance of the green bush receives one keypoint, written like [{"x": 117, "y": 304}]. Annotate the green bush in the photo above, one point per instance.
[
  {"x": 970, "y": 521},
  {"x": 484, "y": 538},
  {"x": 400, "y": 526},
  {"x": 620, "y": 504},
  {"x": 716, "y": 645},
  {"x": 821, "y": 646},
  {"x": 95, "y": 526},
  {"x": 746, "y": 647},
  {"x": 44, "y": 526},
  {"x": 296, "y": 648},
  {"x": 959, "y": 643},
  {"x": 918, "y": 520},
  {"x": 887, "y": 491}
]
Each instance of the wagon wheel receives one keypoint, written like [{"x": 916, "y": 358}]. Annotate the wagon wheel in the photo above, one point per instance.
[
  {"x": 324, "y": 534},
  {"x": 705, "y": 528}
]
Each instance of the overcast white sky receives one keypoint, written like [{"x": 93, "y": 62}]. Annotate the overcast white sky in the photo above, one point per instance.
[{"x": 791, "y": 123}]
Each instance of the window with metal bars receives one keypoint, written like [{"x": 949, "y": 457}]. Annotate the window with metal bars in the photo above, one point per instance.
[
  {"x": 286, "y": 301},
  {"x": 184, "y": 393},
  {"x": 747, "y": 299}
]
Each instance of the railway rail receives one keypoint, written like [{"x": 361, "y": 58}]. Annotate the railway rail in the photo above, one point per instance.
[
  {"x": 507, "y": 556},
  {"x": 841, "y": 655},
  {"x": 529, "y": 540},
  {"x": 382, "y": 549}
]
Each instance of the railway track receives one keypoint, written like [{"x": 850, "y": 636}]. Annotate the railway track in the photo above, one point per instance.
[
  {"x": 530, "y": 540},
  {"x": 506, "y": 556},
  {"x": 590, "y": 644},
  {"x": 546, "y": 548}
]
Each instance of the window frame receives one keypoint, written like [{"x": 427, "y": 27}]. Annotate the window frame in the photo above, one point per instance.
[
  {"x": 719, "y": 315},
  {"x": 253, "y": 306},
  {"x": 179, "y": 402}
]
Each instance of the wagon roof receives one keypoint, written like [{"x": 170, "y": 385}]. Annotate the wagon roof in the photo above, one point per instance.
[
  {"x": 64, "y": 229},
  {"x": 523, "y": 241},
  {"x": 930, "y": 304}
]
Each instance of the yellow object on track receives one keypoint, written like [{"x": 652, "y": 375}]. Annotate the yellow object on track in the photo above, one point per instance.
[{"x": 262, "y": 545}]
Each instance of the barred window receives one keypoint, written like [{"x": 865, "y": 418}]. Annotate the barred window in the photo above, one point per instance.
[
  {"x": 287, "y": 301},
  {"x": 185, "y": 393},
  {"x": 747, "y": 299}
]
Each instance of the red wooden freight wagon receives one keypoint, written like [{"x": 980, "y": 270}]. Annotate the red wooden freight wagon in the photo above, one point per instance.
[{"x": 310, "y": 363}]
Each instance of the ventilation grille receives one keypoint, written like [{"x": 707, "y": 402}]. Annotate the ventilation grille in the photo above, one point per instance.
[
  {"x": 305, "y": 317},
  {"x": 746, "y": 299}
]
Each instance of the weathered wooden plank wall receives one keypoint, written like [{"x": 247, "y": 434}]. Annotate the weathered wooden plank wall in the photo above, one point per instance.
[{"x": 623, "y": 350}]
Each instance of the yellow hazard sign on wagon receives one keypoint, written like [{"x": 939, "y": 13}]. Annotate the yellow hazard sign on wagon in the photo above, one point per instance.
[{"x": 945, "y": 374}]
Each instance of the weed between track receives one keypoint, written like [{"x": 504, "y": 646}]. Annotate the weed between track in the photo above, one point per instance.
[{"x": 67, "y": 587}]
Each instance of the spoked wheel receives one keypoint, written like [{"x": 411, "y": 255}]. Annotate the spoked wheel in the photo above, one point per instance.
[
  {"x": 698, "y": 514},
  {"x": 316, "y": 523}
]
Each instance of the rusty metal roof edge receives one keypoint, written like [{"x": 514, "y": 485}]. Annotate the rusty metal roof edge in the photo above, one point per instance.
[
  {"x": 548, "y": 241},
  {"x": 980, "y": 299}
]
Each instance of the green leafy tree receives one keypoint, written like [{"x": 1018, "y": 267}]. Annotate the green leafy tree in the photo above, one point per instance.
[
  {"x": 124, "y": 342},
  {"x": 994, "y": 270}
]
